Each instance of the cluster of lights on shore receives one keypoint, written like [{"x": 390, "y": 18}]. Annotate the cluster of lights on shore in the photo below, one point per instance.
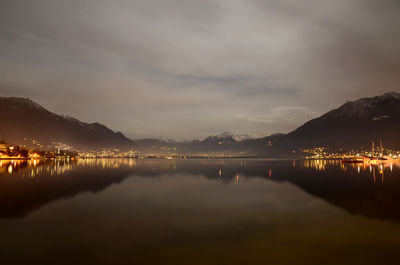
[
  {"x": 317, "y": 158},
  {"x": 378, "y": 155}
]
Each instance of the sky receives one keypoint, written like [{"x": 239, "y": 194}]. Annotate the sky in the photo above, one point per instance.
[{"x": 186, "y": 69}]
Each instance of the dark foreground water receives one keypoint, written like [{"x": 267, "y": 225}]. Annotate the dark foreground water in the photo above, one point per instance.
[{"x": 188, "y": 212}]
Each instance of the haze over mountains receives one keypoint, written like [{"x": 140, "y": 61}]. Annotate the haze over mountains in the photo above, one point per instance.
[{"x": 354, "y": 124}]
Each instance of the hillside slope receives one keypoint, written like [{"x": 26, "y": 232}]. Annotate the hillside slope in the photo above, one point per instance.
[{"x": 23, "y": 120}]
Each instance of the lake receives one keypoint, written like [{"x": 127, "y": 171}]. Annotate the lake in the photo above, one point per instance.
[{"x": 198, "y": 211}]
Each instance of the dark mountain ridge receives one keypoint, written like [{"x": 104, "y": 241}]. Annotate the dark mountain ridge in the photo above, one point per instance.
[
  {"x": 24, "y": 120},
  {"x": 354, "y": 124}
]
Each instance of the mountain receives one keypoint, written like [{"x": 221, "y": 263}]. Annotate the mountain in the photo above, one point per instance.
[
  {"x": 354, "y": 124},
  {"x": 224, "y": 144},
  {"x": 24, "y": 120},
  {"x": 226, "y": 137}
]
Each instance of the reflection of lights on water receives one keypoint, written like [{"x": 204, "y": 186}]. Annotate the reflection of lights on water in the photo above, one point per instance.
[
  {"x": 35, "y": 167},
  {"x": 61, "y": 166},
  {"x": 132, "y": 162},
  {"x": 236, "y": 179},
  {"x": 374, "y": 174},
  {"x": 322, "y": 165}
]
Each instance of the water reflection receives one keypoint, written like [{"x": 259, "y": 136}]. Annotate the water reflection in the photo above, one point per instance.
[
  {"x": 377, "y": 171},
  {"x": 368, "y": 190},
  {"x": 146, "y": 211}
]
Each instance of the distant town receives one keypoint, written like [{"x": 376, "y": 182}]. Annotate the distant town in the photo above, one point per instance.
[
  {"x": 10, "y": 151},
  {"x": 63, "y": 151}
]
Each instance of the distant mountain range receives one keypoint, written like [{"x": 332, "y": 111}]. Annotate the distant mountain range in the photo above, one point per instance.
[{"x": 354, "y": 124}]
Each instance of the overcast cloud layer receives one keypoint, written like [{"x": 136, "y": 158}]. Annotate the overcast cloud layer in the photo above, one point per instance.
[{"x": 187, "y": 69}]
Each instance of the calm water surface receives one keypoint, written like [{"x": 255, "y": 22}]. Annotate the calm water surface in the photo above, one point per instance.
[{"x": 232, "y": 211}]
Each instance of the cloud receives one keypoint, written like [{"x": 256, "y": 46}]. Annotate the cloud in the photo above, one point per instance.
[{"x": 188, "y": 68}]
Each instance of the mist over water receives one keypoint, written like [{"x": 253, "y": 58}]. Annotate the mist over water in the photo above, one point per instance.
[{"x": 198, "y": 211}]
